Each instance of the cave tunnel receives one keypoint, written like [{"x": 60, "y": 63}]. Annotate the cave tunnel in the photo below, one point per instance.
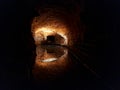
[
  {"x": 55, "y": 46},
  {"x": 54, "y": 39}
]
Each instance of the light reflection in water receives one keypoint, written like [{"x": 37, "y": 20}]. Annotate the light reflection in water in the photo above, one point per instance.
[{"x": 50, "y": 61}]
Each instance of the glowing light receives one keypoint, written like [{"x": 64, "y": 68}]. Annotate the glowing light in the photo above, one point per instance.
[
  {"x": 49, "y": 60},
  {"x": 66, "y": 40},
  {"x": 50, "y": 31},
  {"x": 46, "y": 30}
]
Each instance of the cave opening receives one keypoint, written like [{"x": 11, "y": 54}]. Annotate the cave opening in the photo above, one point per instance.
[{"x": 51, "y": 39}]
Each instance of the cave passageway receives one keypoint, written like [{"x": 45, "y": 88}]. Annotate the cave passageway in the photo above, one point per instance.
[{"x": 54, "y": 39}]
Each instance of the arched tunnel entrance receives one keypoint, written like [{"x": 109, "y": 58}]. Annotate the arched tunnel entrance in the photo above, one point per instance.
[
  {"x": 50, "y": 39},
  {"x": 54, "y": 39}
]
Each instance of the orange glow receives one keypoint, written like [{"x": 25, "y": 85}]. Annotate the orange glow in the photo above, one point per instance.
[
  {"x": 50, "y": 60},
  {"x": 45, "y": 31},
  {"x": 50, "y": 64},
  {"x": 45, "y": 26},
  {"x": 44, "y": 58}
]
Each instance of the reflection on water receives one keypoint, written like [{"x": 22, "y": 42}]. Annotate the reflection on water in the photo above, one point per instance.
[
  {"x": 51, "y": 61},
  {"x": 49, "y": 53}
]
